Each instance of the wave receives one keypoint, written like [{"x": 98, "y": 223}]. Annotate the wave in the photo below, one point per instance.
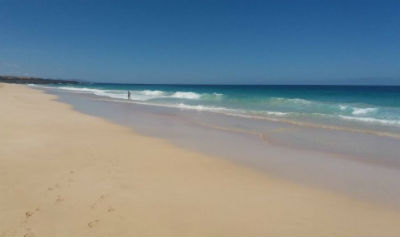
[
  {"x": 143, "y": 95},
  {"x": 289, "y": 100},
  {"x": 363, "y": 111},
  {"x": 265, "y": 112},
  {"x": 152, "y": 93},
  {"x": 204, "y": 108},
  {"x": 357, "y": 110},
  {"x": 108, "y": 93},
  {"x": 224, "y": 110},
  {"x": 324, "y": 107},
  {"x": 372, "y": 120},
  {"x": 117, "y": 94},
  {"x": 276, "y": 108},
  {"x": 186, "y": 95}
]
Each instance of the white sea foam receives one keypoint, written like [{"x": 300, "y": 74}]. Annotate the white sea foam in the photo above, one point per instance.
[
  {"x": 227, "y": 111},
  {"x": 275, "y": 113},
  {"x": 186, "y": 95},
  {"x": 351, "y": 113},
  {"x": 288, "y": 100},
  {"x": 135, "y": 94},
  {"x": 140, "y": 95},
  {"x": 151, "y": 93},
  {"x": 108, "y": 93},
  {"x": 145, "y": 95},
  {"x": 265, "y": 113},
  {"x": 204, "y": 108},
  {"x": 372, "y": 120},
  {"x": 363, "y": 111},
  {"x": 357, "y": 110}
]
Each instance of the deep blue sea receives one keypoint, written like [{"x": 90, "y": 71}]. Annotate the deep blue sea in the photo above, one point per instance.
[{"x": 363, "y": 105}]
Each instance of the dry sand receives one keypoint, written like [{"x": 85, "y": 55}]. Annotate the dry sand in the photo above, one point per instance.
[{"x": 63, "y": 173}]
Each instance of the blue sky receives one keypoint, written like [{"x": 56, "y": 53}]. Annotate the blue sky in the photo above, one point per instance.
[{"x": 204, "y": 41}]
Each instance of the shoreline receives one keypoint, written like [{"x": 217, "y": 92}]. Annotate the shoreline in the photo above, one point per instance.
[
  {"x": 345, "y": 122},
  {"x": 367, "y": 164},
  {"x": 67, "y": 173}
]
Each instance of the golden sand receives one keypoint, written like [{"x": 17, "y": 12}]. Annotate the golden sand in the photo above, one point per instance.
[{"x": 63, "y": 173}]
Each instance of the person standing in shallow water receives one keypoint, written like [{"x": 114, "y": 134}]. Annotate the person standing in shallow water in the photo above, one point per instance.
[{"x": 129, "y": 95}]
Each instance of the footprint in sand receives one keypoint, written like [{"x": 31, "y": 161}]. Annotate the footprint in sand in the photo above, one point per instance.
[
  {"x": 93, "y": 223},
  {"x": 99, "y": 200},
  {"x": 110, "y": 209},
  {"x": 70, "y": 179},
  {"x": 30, "y": 213},
  {"x": 29, "y": 233},
  {"x": 59, "y": 199},
  {"x": 51, "y": 188}
]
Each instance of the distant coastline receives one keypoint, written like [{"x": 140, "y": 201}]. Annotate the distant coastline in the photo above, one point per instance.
[{"x": 35, "y": 80}]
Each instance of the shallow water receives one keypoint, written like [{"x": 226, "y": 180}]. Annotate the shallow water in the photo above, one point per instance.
[
  {"x": 360, "y": 164},
  {"x": 373, "y": 108}
]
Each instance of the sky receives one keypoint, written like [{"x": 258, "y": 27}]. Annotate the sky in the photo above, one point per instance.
[{"x": 203, "y": 41}]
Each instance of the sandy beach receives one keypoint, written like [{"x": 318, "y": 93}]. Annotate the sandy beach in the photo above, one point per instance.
[{"x": 64, "y": 173}]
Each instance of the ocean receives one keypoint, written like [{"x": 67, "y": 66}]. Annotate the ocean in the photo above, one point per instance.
[{"x": 360, "y": 107}]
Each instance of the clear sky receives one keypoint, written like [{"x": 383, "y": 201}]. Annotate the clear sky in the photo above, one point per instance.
[{"x": 203, "y": 41}]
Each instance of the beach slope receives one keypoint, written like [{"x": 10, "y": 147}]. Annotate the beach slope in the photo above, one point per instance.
[{"x": 63, "y": 173}]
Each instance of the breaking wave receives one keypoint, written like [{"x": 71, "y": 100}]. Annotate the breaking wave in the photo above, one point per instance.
[
  {"x": 250, "y": 106},
  {"x": 186, "y": 95},
  {"x": 371, "y": 120},
  {"x": 363, "y": 111},
  {"x": 143, "y": 95},
  {"x": 279, "y": 100}
]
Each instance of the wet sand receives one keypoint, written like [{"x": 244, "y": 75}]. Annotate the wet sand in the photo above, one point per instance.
[{"x": 65, "y": 173}]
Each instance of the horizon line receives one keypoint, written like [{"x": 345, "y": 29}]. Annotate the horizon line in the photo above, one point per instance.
[{"x": 204, "y": 84}]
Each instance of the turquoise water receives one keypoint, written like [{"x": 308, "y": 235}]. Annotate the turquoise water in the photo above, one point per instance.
[{"x": 364, "y": 106}]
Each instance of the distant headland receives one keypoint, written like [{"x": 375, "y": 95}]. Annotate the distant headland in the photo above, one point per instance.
[{"x": 35, "y": 80}]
